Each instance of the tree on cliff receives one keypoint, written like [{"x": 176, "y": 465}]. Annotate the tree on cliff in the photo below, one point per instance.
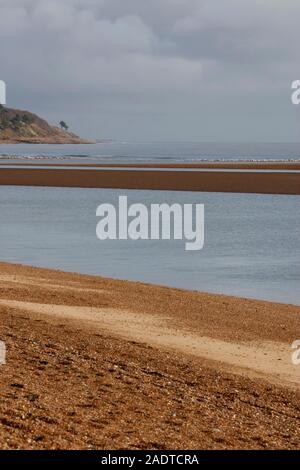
[{"x": 63, "y": 125}]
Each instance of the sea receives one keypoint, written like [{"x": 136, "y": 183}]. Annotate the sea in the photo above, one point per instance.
[{"x": 252, "y": 241}]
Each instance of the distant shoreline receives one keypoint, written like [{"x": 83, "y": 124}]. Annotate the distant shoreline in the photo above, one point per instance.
[{"x": 49, "y": 141}]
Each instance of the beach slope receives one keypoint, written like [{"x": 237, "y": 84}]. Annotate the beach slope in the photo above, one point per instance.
[{"x": 98, "y": 363}]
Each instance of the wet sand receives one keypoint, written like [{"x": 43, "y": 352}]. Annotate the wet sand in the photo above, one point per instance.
[
  {"x": 100, "y": 363},
  {"x": 211, "y": 181}
]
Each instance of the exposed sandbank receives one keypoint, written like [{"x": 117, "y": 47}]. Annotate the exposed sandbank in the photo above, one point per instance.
[{"x": 212, "y": 181}]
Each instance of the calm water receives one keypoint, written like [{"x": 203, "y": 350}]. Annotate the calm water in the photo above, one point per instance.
[
  {"x": 157, "y": 151},
  {"x": 252, "y": 246}
]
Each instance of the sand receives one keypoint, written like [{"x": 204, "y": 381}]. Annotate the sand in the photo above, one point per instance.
[
  {"x": 235, "y": 181},
  {"x": 95, "y": 363}
]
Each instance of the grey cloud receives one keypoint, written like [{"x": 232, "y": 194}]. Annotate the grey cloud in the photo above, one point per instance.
[{"x": 129, "y": 54}]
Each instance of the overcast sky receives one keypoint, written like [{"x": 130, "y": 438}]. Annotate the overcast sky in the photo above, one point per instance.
[{"x": 203, "y": 70}]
